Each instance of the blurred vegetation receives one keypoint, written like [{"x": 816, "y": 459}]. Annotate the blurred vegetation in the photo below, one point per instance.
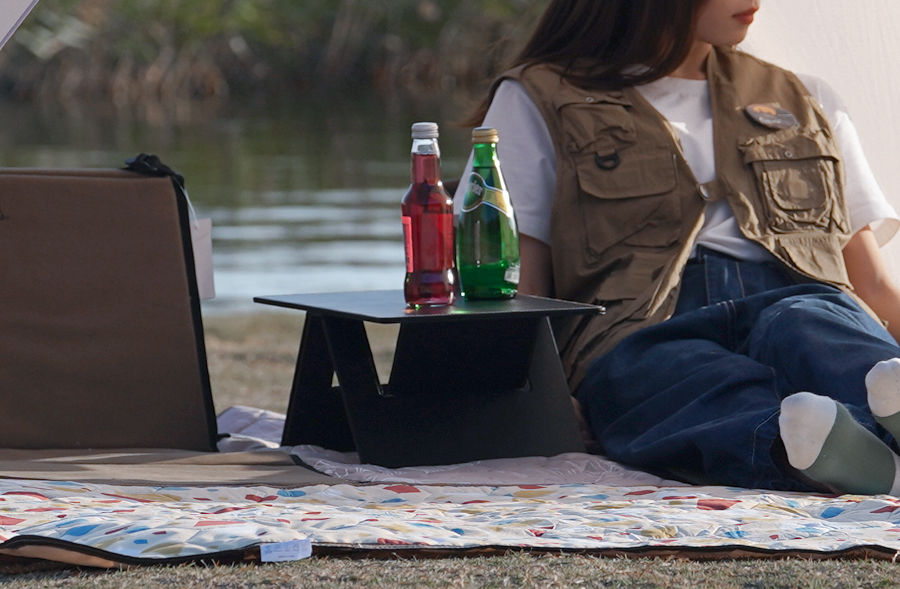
[{"x": 129, "y": 51}]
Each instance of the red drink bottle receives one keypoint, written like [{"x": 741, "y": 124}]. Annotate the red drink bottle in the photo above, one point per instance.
[{"x": 427, "y": 214}]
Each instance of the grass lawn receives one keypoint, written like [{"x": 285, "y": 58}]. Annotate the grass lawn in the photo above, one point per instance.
[
  {"x": 513, "y": 570},
  {"x": 251, "y": 362}
]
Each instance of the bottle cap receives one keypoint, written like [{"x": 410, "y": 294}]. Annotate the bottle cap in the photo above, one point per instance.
[
  {"x": 485, "y": 135},
  {"x": 424, "y": 131}
]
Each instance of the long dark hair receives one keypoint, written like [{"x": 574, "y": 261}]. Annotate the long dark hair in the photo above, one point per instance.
[{"x": 609, "y": 44}]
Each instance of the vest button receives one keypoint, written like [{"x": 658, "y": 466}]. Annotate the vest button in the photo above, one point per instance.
[
  {"x": 704, "y": 192},
  {"x": 788, "y": 154},
  {"x": 589, "y": 99}
]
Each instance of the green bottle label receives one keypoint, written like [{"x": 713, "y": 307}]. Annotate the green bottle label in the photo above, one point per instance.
[{"x": 479, "y": 193}]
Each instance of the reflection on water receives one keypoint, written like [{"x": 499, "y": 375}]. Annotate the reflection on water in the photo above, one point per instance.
[
  {"x": 317, "y": 241},
  {"x": 302, "y": 199}
]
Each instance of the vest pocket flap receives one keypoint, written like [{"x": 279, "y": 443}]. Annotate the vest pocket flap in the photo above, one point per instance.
[
  {"x": 627, "y": 173},
  {"x": 596, "y": 123},
  {"x": 798, "y": 180},
  {"x": 628, "y": 197},
  {"x": 786, "y": 145}
]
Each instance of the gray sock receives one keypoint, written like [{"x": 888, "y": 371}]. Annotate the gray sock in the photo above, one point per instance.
[
  {"x": 883, "y": 386},
  {"x": 825, "y": 443}
]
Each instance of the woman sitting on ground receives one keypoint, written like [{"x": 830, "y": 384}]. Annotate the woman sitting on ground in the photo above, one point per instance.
[{"x": 722, "y": 211}]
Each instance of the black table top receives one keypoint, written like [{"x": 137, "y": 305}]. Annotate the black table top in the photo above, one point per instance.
[{"x": 389, "y": 306}]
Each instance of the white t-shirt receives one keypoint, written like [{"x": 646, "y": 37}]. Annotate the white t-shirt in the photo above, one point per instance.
[{"x": 528, "y": 160}]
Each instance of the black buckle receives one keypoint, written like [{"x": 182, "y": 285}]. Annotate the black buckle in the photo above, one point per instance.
[{"x": 609, "y": 162}]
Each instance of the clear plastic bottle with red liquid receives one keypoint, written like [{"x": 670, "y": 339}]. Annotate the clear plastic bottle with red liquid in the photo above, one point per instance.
[{"x": 427, "y": 214}]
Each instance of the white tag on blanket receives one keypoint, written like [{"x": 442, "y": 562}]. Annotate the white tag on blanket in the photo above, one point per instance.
[
  {"x": 285, "y": 551},
  {"x": 201, "y": 239}
]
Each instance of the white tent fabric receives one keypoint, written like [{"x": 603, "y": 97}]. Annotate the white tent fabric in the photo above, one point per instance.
[
  {"x": 12, "y": 15},
  {"x": 855, "y": 47}
]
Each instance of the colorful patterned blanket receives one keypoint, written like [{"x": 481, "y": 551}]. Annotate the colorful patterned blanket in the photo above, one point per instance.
[
  {"x": 135, "y": 525},
  {"x": 570, "y": 502}
]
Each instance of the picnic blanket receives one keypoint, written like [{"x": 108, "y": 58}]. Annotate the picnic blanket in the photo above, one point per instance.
[{"x": 572, "y": 503}]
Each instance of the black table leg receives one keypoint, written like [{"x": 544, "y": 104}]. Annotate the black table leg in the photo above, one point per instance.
[
  {"x": 316, "y": 413},
  {"x": 356, "y": 374}
]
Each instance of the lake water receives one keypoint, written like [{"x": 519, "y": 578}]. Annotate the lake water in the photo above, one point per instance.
[{"x": 304, "y": 197}]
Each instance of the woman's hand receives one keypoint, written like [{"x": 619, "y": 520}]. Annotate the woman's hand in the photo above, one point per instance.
[{"x": 871, "y": 279}]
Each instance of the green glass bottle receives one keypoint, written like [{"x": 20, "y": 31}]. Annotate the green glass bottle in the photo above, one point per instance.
[{"x": 487, "y": 240}]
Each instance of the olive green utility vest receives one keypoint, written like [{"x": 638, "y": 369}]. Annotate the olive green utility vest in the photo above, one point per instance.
[{"x": 627, "y": 207}]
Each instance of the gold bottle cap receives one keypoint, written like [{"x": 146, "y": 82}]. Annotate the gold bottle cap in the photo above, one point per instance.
[{"x": 485, "y": 135}]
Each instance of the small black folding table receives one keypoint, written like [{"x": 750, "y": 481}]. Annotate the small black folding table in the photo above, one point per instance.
[{"x": 470, "y": 381}]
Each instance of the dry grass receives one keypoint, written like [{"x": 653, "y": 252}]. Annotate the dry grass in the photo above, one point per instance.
[
  {"x": 252, "y": 357},
  {"x": 513, "y": 570}
]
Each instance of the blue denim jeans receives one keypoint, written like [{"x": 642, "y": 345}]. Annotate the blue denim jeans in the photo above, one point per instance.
[{"x": 697, "y": 397}]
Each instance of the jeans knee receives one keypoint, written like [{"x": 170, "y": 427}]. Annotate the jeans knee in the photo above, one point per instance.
[{"x": 812, "y": 316}]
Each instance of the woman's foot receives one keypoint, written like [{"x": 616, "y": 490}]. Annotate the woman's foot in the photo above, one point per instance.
[
  {"x": 883, "y": 386},
  {"x": 825, "y": 443}
]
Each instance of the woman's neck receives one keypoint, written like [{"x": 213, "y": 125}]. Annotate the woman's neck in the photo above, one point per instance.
[{"x": 694, "y": 65}]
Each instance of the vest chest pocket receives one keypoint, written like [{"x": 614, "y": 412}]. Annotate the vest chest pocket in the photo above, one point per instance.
[
  {"x": 797, "y": 180},
  {"x": 625, "y": 197}
]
